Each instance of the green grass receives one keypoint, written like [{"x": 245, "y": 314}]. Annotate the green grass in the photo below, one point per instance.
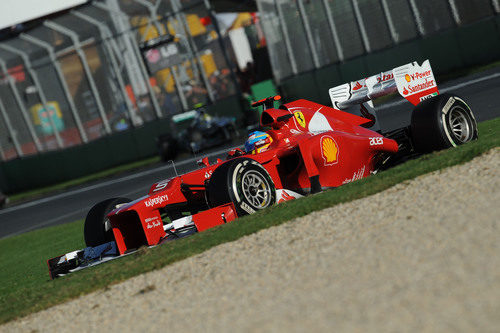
[{"x": 25, "y": 286}]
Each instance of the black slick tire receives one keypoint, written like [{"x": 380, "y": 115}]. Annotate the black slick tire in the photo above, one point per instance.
[
  {"x": 245, "y": 183},
  {"x": 97, "y": 229},
  {"x": 442, "y": 122}
]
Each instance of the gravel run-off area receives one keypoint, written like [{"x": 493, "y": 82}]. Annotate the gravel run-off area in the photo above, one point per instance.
[{"x": 421, "y": 256}]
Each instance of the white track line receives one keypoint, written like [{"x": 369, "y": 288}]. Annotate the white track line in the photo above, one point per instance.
[
  {"x": 107, "y": 183},
  {"x": 48, "y": 222}
]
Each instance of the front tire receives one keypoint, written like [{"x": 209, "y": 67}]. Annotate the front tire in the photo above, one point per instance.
[
  {"x": 97, "y": 229},
  {"x": 245, "y": 183},
  {"x": 442, "y": 122}
]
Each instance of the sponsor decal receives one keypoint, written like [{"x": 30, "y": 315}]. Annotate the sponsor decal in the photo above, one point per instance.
[
  {"x": 376, "y": 141},
  {"x": 357, "y": 86},
  {"x": 356, "y": 176},
  {"x": 247, "y": 208},
  {"x": 448, "y": 105},
  {"x": 152, "y": 222},
  {"x": 428, "y": 96},
  {"x": 412, "y": 79},
  {"x": 285, "y": 197},
  {"x": 301, "y": 120},
  {"x": 412, "y": 89},
  {"x": 329, "y": 150},
  {"x": 385, "y": 77},
  {"x": 161, "y": 185},
  {"x": 153, "y": 225},
  {"x": 419, "y": 75},
  {"x": 156, "y": 201},
  {"x": 208, "y": 174}
]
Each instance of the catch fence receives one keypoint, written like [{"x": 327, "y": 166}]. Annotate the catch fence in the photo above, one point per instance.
[{"x": 303, "y": 35}]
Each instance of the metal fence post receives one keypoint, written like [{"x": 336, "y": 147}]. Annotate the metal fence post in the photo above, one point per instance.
[
  {"x": 106, "y": 37},
  {"x": 62, "y": 80},
  {"x": 307, "y": 27},
  {"x": 2, "y": 154},
  {"x": 417, "y": 16},
  {"x": 192, "y": 46},
  {"x": 123, "y": 45},
  {"x": 333, "y": 28},
  {"x": 11, "y": 130},
  {"x": 88, "y": 73},
  {"x": 223, "y": 48},
  {"x": 135, "y": 50},
  {"x": 390, "y": 22},
  {"x": 361, "y": 25},
  {"x": 36, "y": 81},
  {"x": 21, "y": 105},
  {"x": 454, "y": 11},
  {"x": 288, "y": 44},
  {"x": 153, "y": 14},
  {"x": 496, "y": 5}
]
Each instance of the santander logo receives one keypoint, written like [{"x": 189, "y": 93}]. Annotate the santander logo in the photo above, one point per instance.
[
  {"x": 357, "y": 86},
  {"x": 418, "y": 81}
]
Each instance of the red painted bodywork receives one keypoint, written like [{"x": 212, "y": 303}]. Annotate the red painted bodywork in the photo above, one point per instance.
[{"x": 309, "y": 140}]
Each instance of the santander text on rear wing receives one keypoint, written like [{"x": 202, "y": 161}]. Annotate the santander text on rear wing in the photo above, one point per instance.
[{"x": 414, "y": 82}]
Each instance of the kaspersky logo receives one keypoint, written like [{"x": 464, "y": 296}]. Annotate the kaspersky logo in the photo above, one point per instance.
[{"x": 156, "y": 201}]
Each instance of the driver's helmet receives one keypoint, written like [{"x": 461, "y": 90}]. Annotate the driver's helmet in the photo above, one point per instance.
[{"x": 258, "y": 142}]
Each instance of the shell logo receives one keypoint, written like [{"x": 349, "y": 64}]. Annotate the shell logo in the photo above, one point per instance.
[
  {"x": 408, "y": 78},
  {"x": 329, "y": 150}
]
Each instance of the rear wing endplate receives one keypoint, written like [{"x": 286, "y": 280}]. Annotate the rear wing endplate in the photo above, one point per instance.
[{"x": 414, "y": 82}]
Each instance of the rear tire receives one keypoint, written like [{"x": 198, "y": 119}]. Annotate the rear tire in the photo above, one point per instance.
[
  {"x": 442, "y": 122},
  {"x": 97, "y": 229},
  {"x": 245, "y": 183}
]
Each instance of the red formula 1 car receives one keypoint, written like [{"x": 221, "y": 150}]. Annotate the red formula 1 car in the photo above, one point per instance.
[{"x": 307, "y": 148}]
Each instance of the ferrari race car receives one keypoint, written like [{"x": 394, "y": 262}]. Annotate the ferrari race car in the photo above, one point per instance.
[{"x": 306, "y": 148}]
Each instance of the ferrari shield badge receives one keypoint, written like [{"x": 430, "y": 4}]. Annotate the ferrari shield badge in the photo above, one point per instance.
[{"x": 301, "y": 120}]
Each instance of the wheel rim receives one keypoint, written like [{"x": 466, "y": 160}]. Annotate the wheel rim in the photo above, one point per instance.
[
  {"x": 256, "y": 189},
  {"x": 461, "y": 124}
]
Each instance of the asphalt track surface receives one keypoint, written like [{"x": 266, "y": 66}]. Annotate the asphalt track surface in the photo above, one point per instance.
[{"x": 479, "y": 90}]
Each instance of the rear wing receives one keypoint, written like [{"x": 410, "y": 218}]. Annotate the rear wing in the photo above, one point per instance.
[{"x": 413, "y": 82}]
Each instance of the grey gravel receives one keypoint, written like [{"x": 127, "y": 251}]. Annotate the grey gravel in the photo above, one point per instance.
[{"x": 421, "y": 256}]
